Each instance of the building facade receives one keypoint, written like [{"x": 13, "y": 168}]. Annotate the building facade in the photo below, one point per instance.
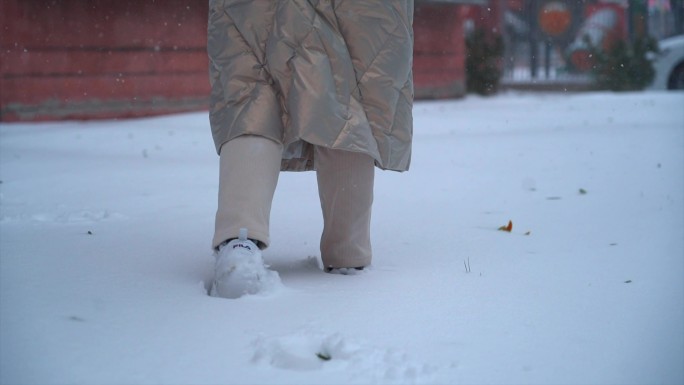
[{"x": 74, "y": 59}]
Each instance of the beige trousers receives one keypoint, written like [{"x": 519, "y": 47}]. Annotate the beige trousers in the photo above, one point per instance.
[{"x": 248, "y": 175}]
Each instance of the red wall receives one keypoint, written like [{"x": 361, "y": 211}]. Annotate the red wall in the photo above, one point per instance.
[
  {"x": 101, "y": 58},
  {"x": 76, "y": 59},
  {"x": 439, "y": 51}
]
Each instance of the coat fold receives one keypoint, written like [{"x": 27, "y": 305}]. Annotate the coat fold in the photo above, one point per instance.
[{"x": 305, "y": 73}]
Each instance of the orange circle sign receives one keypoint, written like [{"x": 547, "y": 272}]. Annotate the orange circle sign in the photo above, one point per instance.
[{"x": 554, "y": 18}]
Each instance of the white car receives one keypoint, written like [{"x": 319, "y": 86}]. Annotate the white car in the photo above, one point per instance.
[{"x": 669, "y": 65}]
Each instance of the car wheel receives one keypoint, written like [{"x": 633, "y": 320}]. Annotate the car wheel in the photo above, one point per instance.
[{"x": 676, "y": 80}]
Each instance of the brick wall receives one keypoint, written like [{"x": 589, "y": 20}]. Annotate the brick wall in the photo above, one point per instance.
[
  {"x": 439, "y": 51},
  {"x": 78, "y": 59},
  {"x": 101, "y": 58}
]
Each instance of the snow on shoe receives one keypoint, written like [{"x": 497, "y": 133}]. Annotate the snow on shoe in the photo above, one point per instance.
[{"x": 240, "y": 270}]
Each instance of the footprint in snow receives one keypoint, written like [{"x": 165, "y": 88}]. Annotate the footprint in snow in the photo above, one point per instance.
[{"x": 358, "y": 362}]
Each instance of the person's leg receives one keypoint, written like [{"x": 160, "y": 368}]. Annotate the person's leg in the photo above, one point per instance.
[
  {"x": 345, "y": 187},
  {"x": 248, "y": 174}
]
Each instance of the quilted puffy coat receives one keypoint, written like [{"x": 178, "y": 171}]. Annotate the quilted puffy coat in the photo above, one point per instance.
[{"x": 333, "y": 73}]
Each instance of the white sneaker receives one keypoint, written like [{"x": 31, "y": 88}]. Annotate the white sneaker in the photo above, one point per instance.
[{"x": 240, "y": 270}]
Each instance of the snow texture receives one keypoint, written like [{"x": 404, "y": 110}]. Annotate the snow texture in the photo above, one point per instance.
[{"x": 105, "y": 231}]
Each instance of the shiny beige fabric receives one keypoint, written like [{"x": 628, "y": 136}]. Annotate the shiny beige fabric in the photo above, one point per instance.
[{"x": 330, "y": 73}]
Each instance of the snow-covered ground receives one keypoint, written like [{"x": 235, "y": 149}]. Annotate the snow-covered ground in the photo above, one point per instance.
[{"x": 105, "y": 230}]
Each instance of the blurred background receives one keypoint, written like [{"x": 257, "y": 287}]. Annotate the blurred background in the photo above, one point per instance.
[{"x": 72, "y": 59}]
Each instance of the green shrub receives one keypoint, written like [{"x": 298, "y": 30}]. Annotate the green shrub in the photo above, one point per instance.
[
  {"x": 625, "y": 66},
  {"x": 484, "y": 53}
]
